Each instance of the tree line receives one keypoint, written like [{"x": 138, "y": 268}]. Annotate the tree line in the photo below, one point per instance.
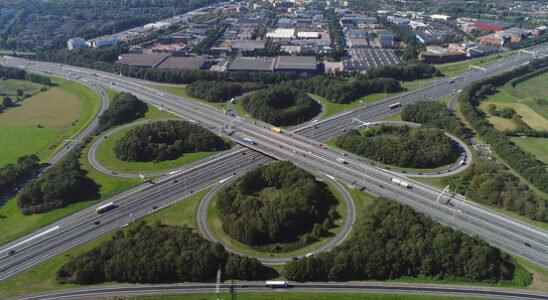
[
  {"x": 220, "y": 91},
  {"x": 489, "y": 183},
  {"x": 392, "y": 241},
  {"x": 14, "y": 175},
  {"x": 345, "y": 90},
  {"x": 526, "y": 164},
  {"x": 276, "y": 204},
  {"x": 401, "y": 146},
  {"x": 62, "y": 184},
  {"x": 159, "y": 254},
  {"x": 281, "y": 105},
  {"x": 124, "y": 108},
  {"x": 20, "y": 74},
  {"x": 433, "y": 114},
  {"x": 407, "y": 72},
  {"x": 166, "y": 140}
]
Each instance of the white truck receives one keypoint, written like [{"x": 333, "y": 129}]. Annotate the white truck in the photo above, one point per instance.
[{"x": 402, "y": 183}]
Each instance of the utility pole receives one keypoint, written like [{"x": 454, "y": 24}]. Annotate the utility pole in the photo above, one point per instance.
[{"x": 218, "y": 286}]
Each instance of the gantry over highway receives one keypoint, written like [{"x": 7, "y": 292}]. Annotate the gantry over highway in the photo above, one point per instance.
[{"x": 303, "y": 147}]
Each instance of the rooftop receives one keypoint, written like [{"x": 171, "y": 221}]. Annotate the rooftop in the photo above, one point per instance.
[
  {"x": 296, "y": 63},
  {"x": 142, "y": 60},
  {"x": 183, "y": 63},
  {"x": 252, "y": 64}
]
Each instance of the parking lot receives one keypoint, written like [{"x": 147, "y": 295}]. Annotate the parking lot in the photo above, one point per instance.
[{"x": 362, "y": 59}]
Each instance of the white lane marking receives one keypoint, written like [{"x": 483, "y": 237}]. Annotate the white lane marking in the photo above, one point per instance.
[
  {"x": 225, "y": 179},
  {"x": 31, "y": 238}
]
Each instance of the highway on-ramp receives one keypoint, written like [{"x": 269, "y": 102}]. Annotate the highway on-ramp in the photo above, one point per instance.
[{"x": 512, "y": 236}]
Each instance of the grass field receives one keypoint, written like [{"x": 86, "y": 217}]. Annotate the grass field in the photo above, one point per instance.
[
  {"x": 536, "y": 146},
  {"x": 106, "y": 156},
  {"x": 216, "y": 227},
  {"x": 42, "y": 277},
  {"x": 288, "y": 295},
  {"x": 10, "y": 87},
  {"x": 43, "y": 121},
  {"x": 14, "y": 224},
  {"x": 457, "y": 68},
  {"x": 180, "y": 90}
]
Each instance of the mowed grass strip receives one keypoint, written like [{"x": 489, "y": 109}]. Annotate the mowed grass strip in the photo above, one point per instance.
[
  {"x": 15, "y": 225},
  {"x": 528, "y": 115},
  {"x": 41, "y": 123},
  {"x": 536, "y": 146},
  {"x": 10, "y": 87},
  {"x": 288, "y": 295},
  {"x": 107, "y": 157},
  {"x": 42, "y": 277}
]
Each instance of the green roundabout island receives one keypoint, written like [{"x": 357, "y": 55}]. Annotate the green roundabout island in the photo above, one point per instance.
[
  {"x": 149, "y": 147},
  {"x": 281, "y": 106},
  {"x": 277, "y": 210},
  {"x": 402, "y": 146}
]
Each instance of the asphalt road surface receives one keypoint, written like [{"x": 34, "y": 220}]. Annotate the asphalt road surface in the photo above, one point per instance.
[
  {"x": 511, "y": 236},
  {"x": 316, "y": 287}
]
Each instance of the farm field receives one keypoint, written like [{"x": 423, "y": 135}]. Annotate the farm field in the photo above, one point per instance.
[{"x": 41, "y": 123}]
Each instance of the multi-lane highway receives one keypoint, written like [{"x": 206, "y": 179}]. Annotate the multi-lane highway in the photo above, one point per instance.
[
  {"x": 316, "y": 287},
  {"x": 511, "y": 236}
]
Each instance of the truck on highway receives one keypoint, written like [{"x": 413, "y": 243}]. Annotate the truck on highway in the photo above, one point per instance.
[
  {"x": 276, "y": 284},
  {"x": 276, "y": 129},
  {"x": 402, "y": 183},
  {"x": 394, "y": 105},
  {"x": 249, "y": 141},
  {"x": 341, "y": 160},
  {"x": 105, "y": 207}
]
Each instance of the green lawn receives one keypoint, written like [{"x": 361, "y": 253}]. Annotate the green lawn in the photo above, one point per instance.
[
  {"x": 287, "y": 295},
  {"x": 536, "y": 146},
  {"x": 181, "y": 91},
  {"x": 106, "y": 156},
  {"x": 42, "y": 277},
  {"x": 332, "y": 108},
  {"x": 457, "y": 68},
  {"x": 44, "y": 121},
  {"x": 10, "y": 87},
  {"x": 14, "y": 224},
  {"x": 216, "y": 227}
]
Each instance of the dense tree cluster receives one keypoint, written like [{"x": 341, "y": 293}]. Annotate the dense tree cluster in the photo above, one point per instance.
[
  {"x": 338, "y": 42},
  {"x": 159, "y": 254},
  {"x": 13, "y": 175},
  {"x": 281, "y": 105},
  {"x": 523, "y": 162},
  {"x": 19, "y": 74},
  {"x": 219, "y": 91},
  {"x": 401, "y": 146},
  {"x": 489, "y": 183},
  {"x": 432, "y": 114},
  {"x": 166, "y": 140},
  {"x": 408, "y": 72},
  {"x": 393, "y": 241},
  {"x": 124, "y": 108},
  {"x": 277, "y": 203},
  {"x": 62, "y": 184},
  {"x": 348, "y": 90}
]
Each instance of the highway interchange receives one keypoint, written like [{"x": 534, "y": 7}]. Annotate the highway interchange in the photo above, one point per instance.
[{"x": 300, "y": 147}]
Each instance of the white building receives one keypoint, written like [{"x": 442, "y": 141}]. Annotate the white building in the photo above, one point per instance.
[
  {"x": 77, "y": 43},
  {"x": 282, "y": 33}
]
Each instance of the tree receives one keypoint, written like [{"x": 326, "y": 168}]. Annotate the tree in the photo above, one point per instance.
[
  {"x": 124, "y": 108},
  {"x": 7, "y": 102}
]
